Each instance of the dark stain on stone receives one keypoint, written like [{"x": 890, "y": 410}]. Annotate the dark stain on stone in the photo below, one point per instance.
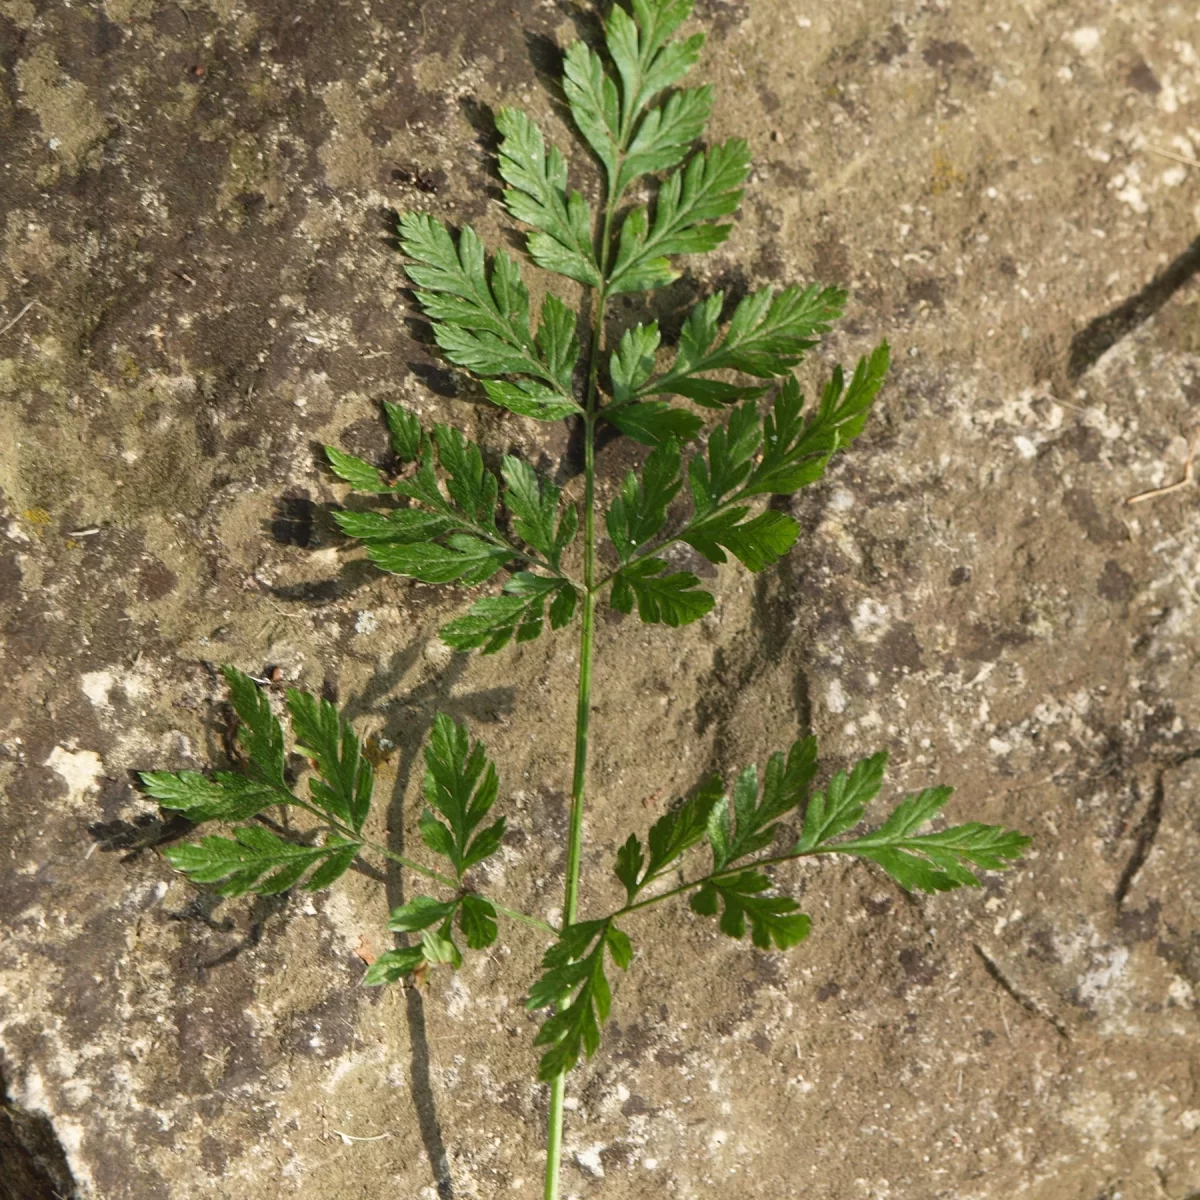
[
  {"x": 155, "y": 581},
  {"x": 1140, "y": 925},
  {"x": 213, "y": 1155},
  {"x": 440, "y": 380},
  {"x": 636, "y": 1106},
  {"x": 10, "y": 579},
  {"x": 917, "y": 972},
  {"x": 1114, "y": 584},
  {"x": 946, "y": 55},
  {"x": 633, "y": 1042},
  {"x": 894, "y": 45},
  {"x": 795, "y": 177},
  {"x": 831, "y": 257},
  {"x": 899, "y": 651},
  {"x": 1083, "y": 441},
  {"x": 1142, "y": 79},
  {"x": 327, "y": 1030},
  {"x": 767, "y": 973},
  {"x": 926, "y": 291},
  {"x": 723, "y": 15},
  {"x": 1041, "y": 947},
  {"x": 1099, "y": 527}
]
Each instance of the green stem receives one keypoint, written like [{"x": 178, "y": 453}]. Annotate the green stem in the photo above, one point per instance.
[{"x": 583, "y": 707}]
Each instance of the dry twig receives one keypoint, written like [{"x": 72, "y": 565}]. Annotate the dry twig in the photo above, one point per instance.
[
  {"x": 1179, "y": 484},
  {"x": 1179, "y": 158},
  {"x": 6, "y": 328}
]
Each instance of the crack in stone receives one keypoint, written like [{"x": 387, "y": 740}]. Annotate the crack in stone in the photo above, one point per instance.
[
  {"x": 1148, "y": 828},
  {"x": 1143, "y": 840},
  {"x": 1027, "y": 1002}
]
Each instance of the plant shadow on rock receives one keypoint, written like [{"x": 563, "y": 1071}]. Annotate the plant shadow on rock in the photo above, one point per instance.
[
  {"x": 33, "y": 1164},
  {"x": 409, "y": 729}
]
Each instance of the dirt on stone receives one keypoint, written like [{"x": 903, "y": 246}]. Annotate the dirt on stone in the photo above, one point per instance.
[{"x": 201, "y": 286}]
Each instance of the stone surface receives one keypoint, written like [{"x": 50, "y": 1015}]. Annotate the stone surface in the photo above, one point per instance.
[{"x": 200, "y": 286}]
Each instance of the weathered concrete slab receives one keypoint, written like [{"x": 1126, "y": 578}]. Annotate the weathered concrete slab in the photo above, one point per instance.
[{"x": 195, "y": 201}]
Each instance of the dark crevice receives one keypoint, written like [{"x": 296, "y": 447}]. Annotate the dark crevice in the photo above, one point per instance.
[
  {"x": 1101, "y": 334},
  {"x": 1027, "y": 1002},
  {"x": 1143, "y": 839},
  {"x": 33, "y": 1165}
]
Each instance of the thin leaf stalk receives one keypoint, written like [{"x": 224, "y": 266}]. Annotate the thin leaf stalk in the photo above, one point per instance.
[
  {"x": 729, "y": 872},
  {"x": 402, "y": 860}
]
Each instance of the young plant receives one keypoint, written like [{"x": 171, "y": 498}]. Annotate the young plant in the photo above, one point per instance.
[{"x": 450, "y": 518}]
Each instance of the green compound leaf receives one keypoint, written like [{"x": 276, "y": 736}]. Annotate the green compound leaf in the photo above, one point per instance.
[
  {"x": 538, "y": 196},
  {"x": 842, "y": 804},
  {"x": 402, "y": 525},
  {"x": 666, "y": 133},
  {"x": 466, "y": 559},
  {"x": 460, "y": 784},
  {"x": 238, "y": 864},
  {"x": 456, "y": 292},
  {"x": 644, "y": 63},
  {"x": 935, "y": 862},
  {"x": 628, "y": 867},
  {"x": 654, "y": 422},
  {"x": 674, "y": 599},
  {"x": 633, "y": 362},
  {"x": 670, "y": 838},
  {"x": 259, "y": 733},
  {"x": 221, "y": 797},
  {"x": 346, "y": 777},
  {"x": 438, "y": 946},
  {"x": 796, "y": 452},
  {"x": 774, "y": 920},
  {"x": 750, "y": 825},
  {"x": 534, "y": 504},
  {"x": 631, "y": 366},
  {"x": 393, "y": 966},
  {"x": 422, "y": 485},
  {"x": 639, "y": 511},
  {"x": 767, "y": 337},
  {"x": 420, "y": 913},
  {"x": 679, "y": 829},
  {"x": 472, "y": 487},
  {"x": 573, "y": 979},
  {"x": 477, "y": 920},
  {"x": 360, "y": 475},
  {"x": 495, "y": 620},
  {"x": 405, "y": 431},
  {"x": 730, "y": 453},
  {"x": 557, "y": 341},
  {"x": 758, "y": 543},
  {"x": 529, "y": 399},
  {"x": 689, "y": 199},
  {"x": 481, "y": 322},
  {"x": 592, "y": 97}
]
